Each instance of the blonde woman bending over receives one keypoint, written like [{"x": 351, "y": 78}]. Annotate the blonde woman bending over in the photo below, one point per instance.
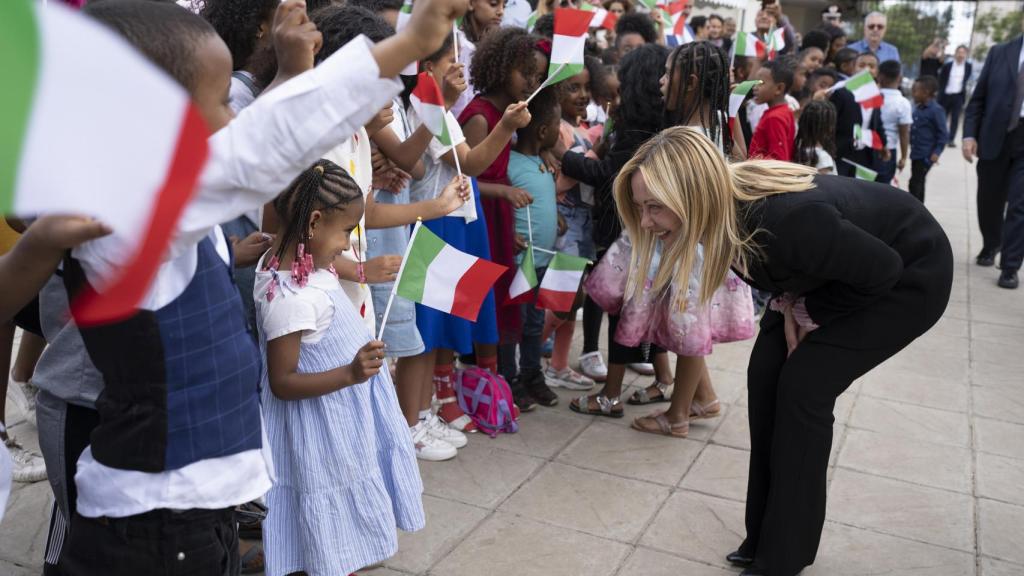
[{"x": 859, "y": 270}]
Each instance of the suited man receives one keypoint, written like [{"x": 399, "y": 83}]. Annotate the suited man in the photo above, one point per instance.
[
  {"x": 953, "y": 78},
  {"x": 994, "y": 132}
]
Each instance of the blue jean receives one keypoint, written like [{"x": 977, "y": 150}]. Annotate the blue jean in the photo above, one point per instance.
[
  {"x": 887, "y": 169},
  {"x": 533, "y": 329},
  {"x": 578, "y": 239}
]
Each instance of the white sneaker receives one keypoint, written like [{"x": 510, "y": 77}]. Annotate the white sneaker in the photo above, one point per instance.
[
  {"x": 567, "y": 378},
  {"x": 23, "y": 394},
  {"x": 645, "y": 368},
  {"x": 28, "y": 466},
  {"x": 592, "y": 366},
  {"x": 442, "y": 431},
  {"x": 430, "y": 447}
]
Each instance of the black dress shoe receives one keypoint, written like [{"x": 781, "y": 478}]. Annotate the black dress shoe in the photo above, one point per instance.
[
  {"x": 1008, "y": 279},
  {"x": 754, "y": 571},
  {"x": 737, "y": 558},
  {"x": 986, "y": 258}
]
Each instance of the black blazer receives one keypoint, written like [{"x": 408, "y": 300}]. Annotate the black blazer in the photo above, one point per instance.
[
  {"x": 989, "y": 111},
  {"x": 944, "y": 76},
  {"x": 868, "y": 258}
]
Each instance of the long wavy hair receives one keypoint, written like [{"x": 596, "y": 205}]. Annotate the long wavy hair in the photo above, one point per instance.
[{"x": 686, "y": 173}]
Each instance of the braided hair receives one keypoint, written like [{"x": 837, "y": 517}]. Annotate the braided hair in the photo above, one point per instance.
[
  {"x": 817, "y": 127},
  {"x": 710, "y": 65},
  {"x": 323, "y": 186}
]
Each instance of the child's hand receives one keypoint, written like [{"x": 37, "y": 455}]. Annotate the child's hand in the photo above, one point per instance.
[
  {"x": 563, "y": 226},
  {"x": 381, "y": 121},
  {"x": 454, "y": 195},
  {"x": 249, "y": 249},
  {"x": 59, "y": 233},
  {"x": 901, "y": 164},
  {"x": 454, "y": 84},
  {"x": 821, "y": 94},
  {"x": 886, "y": 154},
  {"x": 382, "y": 269},
  {"x": 296, "y": 39},
  {"x": 516, "y": 116},
  {"x": 935, "y": 159},
  {"x": 520, "y": 243},
  {"x": 367, "y": 362},
  {"x": 431, "y": 22},
  {"x": 518, "y": 197}
]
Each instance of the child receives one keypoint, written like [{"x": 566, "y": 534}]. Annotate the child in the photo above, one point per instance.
[
  {"x": 845, "y": 62},
  {"x": 815, "y": 137},
  {"x": 605, "y": 94},
  {"x": 505, "y": 71},
  {"x": 482, "y": 18},
  {"x": 897, "y": 117},
  {"x": 345, "y": 472},
  {"x": 536, "y": 224},
  {"x": 443, "y": 333},
  {"x": 929, "y": 134},
  {"x": 159, "y": 446},
  {"x": 773, "y": 137},
  {"x": 744, "y": 68},
  {"x": 871, "y": 118}
]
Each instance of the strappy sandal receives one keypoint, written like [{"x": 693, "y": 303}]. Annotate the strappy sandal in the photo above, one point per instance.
[
  {"x": 642, "y": 396},
  {"x": 661, "y": 426},
  {"x": 605, "y": 406},
  {"x": 712, "y": 409}
]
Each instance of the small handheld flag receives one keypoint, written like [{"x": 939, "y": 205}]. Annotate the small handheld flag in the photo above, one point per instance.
[
  {"x": 427, "y": 101},
  {"x": 866, "y": 136},
  {"x": 561, "y": 282},
  {"x": 567, "y": 47},
  {"x": 864, "y": 89},
  {"x": 862, "y": 172},
  {"x": 525, "y": 280},
  {"x": 748, "y": 45},
  {"x": 738, "y": 95}
]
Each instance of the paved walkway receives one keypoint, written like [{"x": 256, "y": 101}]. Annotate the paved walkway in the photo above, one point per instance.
[{"x": 927, "y": 472}]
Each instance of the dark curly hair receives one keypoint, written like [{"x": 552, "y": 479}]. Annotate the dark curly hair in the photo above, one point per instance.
[
  {"x": 637, "y": 23},
  {"x": 545, "y": 26},
  {"x": 340, "y": 24},
  {"x": 598, "y": 77},
  {"x": 710, "y": 65},
  {"x": 236, "y": 21},
  {"x": 817, "y": 127},
  {"x": 501, "y": 52},
  {"x": 641, "y": 110}
]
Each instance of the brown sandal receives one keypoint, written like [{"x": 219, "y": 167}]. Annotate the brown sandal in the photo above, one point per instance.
[{"x": 657, "y": 423}]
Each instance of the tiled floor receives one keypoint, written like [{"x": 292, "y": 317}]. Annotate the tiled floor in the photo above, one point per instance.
[{"x": 927, "y": 470}]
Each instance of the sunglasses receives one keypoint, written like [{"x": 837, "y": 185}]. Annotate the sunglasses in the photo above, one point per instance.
[{"x": 876, "y": 26}]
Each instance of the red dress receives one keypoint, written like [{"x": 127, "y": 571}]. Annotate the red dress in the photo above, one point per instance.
[{"x": 500, "y": 218}]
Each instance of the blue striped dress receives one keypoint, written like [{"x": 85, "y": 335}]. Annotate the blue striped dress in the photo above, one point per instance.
[{"x": 346, "y": 472}]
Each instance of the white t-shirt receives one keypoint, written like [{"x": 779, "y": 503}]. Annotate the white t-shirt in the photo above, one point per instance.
[
  {"x": 307, "y": 309},
  {"x": 517, "y": 12},
  {"x": 824, "y": 161},
  {"x": 896, "y": 112}
]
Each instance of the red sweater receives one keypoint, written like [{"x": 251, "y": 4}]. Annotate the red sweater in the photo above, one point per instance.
[{"x": 774, "y": 135}]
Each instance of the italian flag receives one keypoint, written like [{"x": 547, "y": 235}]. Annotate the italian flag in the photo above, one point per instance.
[
  {"x": 521, "y": 289},
  {"x": 676, "y": 33},
  {"x": 738, "y": 95},
  {"x": 91, "y": 127},
  {"x": 404, "y": 15},
  {"x": 776, "y": 41},
  {"x": 749, "y": 45},
  {"x": 531, "y": 21},
  {"x": 867, "y": 137},
  {"x": 862, "y": 172},
  {"x": 441, "y": 277},
  {"x": 864, "y": 89},
  {"x": 602, "y": 18},
  {"x": 561, "y": 282},
  {"x": 428, "y": 103},
  {"x": 567, "y": 47}
]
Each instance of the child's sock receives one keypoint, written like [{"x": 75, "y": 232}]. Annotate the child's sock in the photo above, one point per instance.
[
  {"x": 450, "y": 411},
  {"x": 489, "y": 363},
  {"x": 563, "y": 342}
]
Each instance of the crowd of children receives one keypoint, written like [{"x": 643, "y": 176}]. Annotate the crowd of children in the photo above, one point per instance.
[{"x": 314, "y": 406}]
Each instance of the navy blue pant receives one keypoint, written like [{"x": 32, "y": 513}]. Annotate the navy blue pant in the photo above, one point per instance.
[
  {"x": 1001, "y": 200},
  {"x": 953, "y": 104}
]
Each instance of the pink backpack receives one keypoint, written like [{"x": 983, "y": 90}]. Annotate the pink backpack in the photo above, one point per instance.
[{"x": 487, "y": 400}]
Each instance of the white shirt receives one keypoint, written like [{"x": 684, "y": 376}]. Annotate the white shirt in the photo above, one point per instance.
[
  {"x": 825, "y": 161},
  {"x": 250, "y": 161},
  {"x": 955, "y": 84},
  {"x": 896, "y": 111},
  {"x": 307, "y": 309},
  {"x": 239, "y": 94},
  {"x": 517, "y": 12}
]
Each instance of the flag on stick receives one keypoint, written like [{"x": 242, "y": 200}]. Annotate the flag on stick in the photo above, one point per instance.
[
  {"x": 567, "y": 46},
  {"x": 749, "y": 45},
  {"x": 862, "y": 172},
  {"x": 738, "y": 95},
  {"x": 864, "y": 89},
  {"x": 776, "y": 42},
  {"x": 674, "y": 18},
  {"x": 867, "y": 137},
  {"x": 427, "y": 101},
  {"x": 531, "y": 21},
  {"x": 137, "y": 181},
  {"x": 436, "y": 275},
  {"x": 561, "y": 282},
  {"x": 525, "y": 280}
]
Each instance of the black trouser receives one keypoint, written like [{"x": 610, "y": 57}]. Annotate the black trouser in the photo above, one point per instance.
[
  {"x": 918, "y": 173},
  {"x": 157, "y": 543},
  {"x": 1001, "y": 190},
  {"x": 790, "y": 405},
  {"x": 953, "y": 105}
]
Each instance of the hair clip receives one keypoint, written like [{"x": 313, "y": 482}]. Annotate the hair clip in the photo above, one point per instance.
[{"x": 319, "y": 169}]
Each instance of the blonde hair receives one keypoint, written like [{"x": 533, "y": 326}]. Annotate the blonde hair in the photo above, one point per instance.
[{"x": 688, "y": 174}]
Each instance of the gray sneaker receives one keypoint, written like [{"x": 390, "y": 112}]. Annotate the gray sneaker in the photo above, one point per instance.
[
  {"x": 28, "y": 466},
  {"x": 23, "y": 394}
]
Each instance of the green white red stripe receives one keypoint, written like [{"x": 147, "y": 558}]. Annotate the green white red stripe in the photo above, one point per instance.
[
  {"x": 525, "y": 280},
  {"x": 862, "y": 172},
  {"x": 749, "y": 45},
  {"x": 531, "y": 21},
  {"x": 404, "y": 15},
  {"x": 567, "y": 46},
  {"x": 427, "y": 101},
  {"x": 776, "y": 41},
  {"x": 864, "y": 89},
  {"x": 738, "y": 95},
  {"x": 441, "y": 277},
  {"x": 602, "y": 18},
  {"x": 867, "y": 137},
  {"x": 561, "y": 282},
  {"x": 74, "y": 100}
]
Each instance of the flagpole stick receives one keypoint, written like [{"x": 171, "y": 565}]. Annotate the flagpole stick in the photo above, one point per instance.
[
  {"x": 394, "y": 287},
  {"x": 455, "y": 39},
  {"x": 529, "y": 228},
  {"x": 545, "y": 84}
]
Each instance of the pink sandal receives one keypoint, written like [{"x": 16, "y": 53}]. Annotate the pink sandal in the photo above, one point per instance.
[
  {"x": 712, "y": 409},
  {"x": 662, "y": 425}
]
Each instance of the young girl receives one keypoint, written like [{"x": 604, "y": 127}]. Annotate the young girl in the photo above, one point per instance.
[
  {"x": 815, "y": 137},
  {"x": 443, "y": 333},
  {"x": 345, "y": 470},
  {"x": 482, "y": 17},
  {"x": 505, "y": 71}
]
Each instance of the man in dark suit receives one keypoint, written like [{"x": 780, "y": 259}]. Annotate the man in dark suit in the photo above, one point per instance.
[
  {"x": 953, "y": 78},
  {"x": 994, "y": 132}
]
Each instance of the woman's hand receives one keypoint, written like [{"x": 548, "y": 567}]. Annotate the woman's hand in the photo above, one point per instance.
[{"x": 795, "y": 333}]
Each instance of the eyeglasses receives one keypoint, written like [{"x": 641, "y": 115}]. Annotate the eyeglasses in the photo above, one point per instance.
[{"x": 876, "y": 26}]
